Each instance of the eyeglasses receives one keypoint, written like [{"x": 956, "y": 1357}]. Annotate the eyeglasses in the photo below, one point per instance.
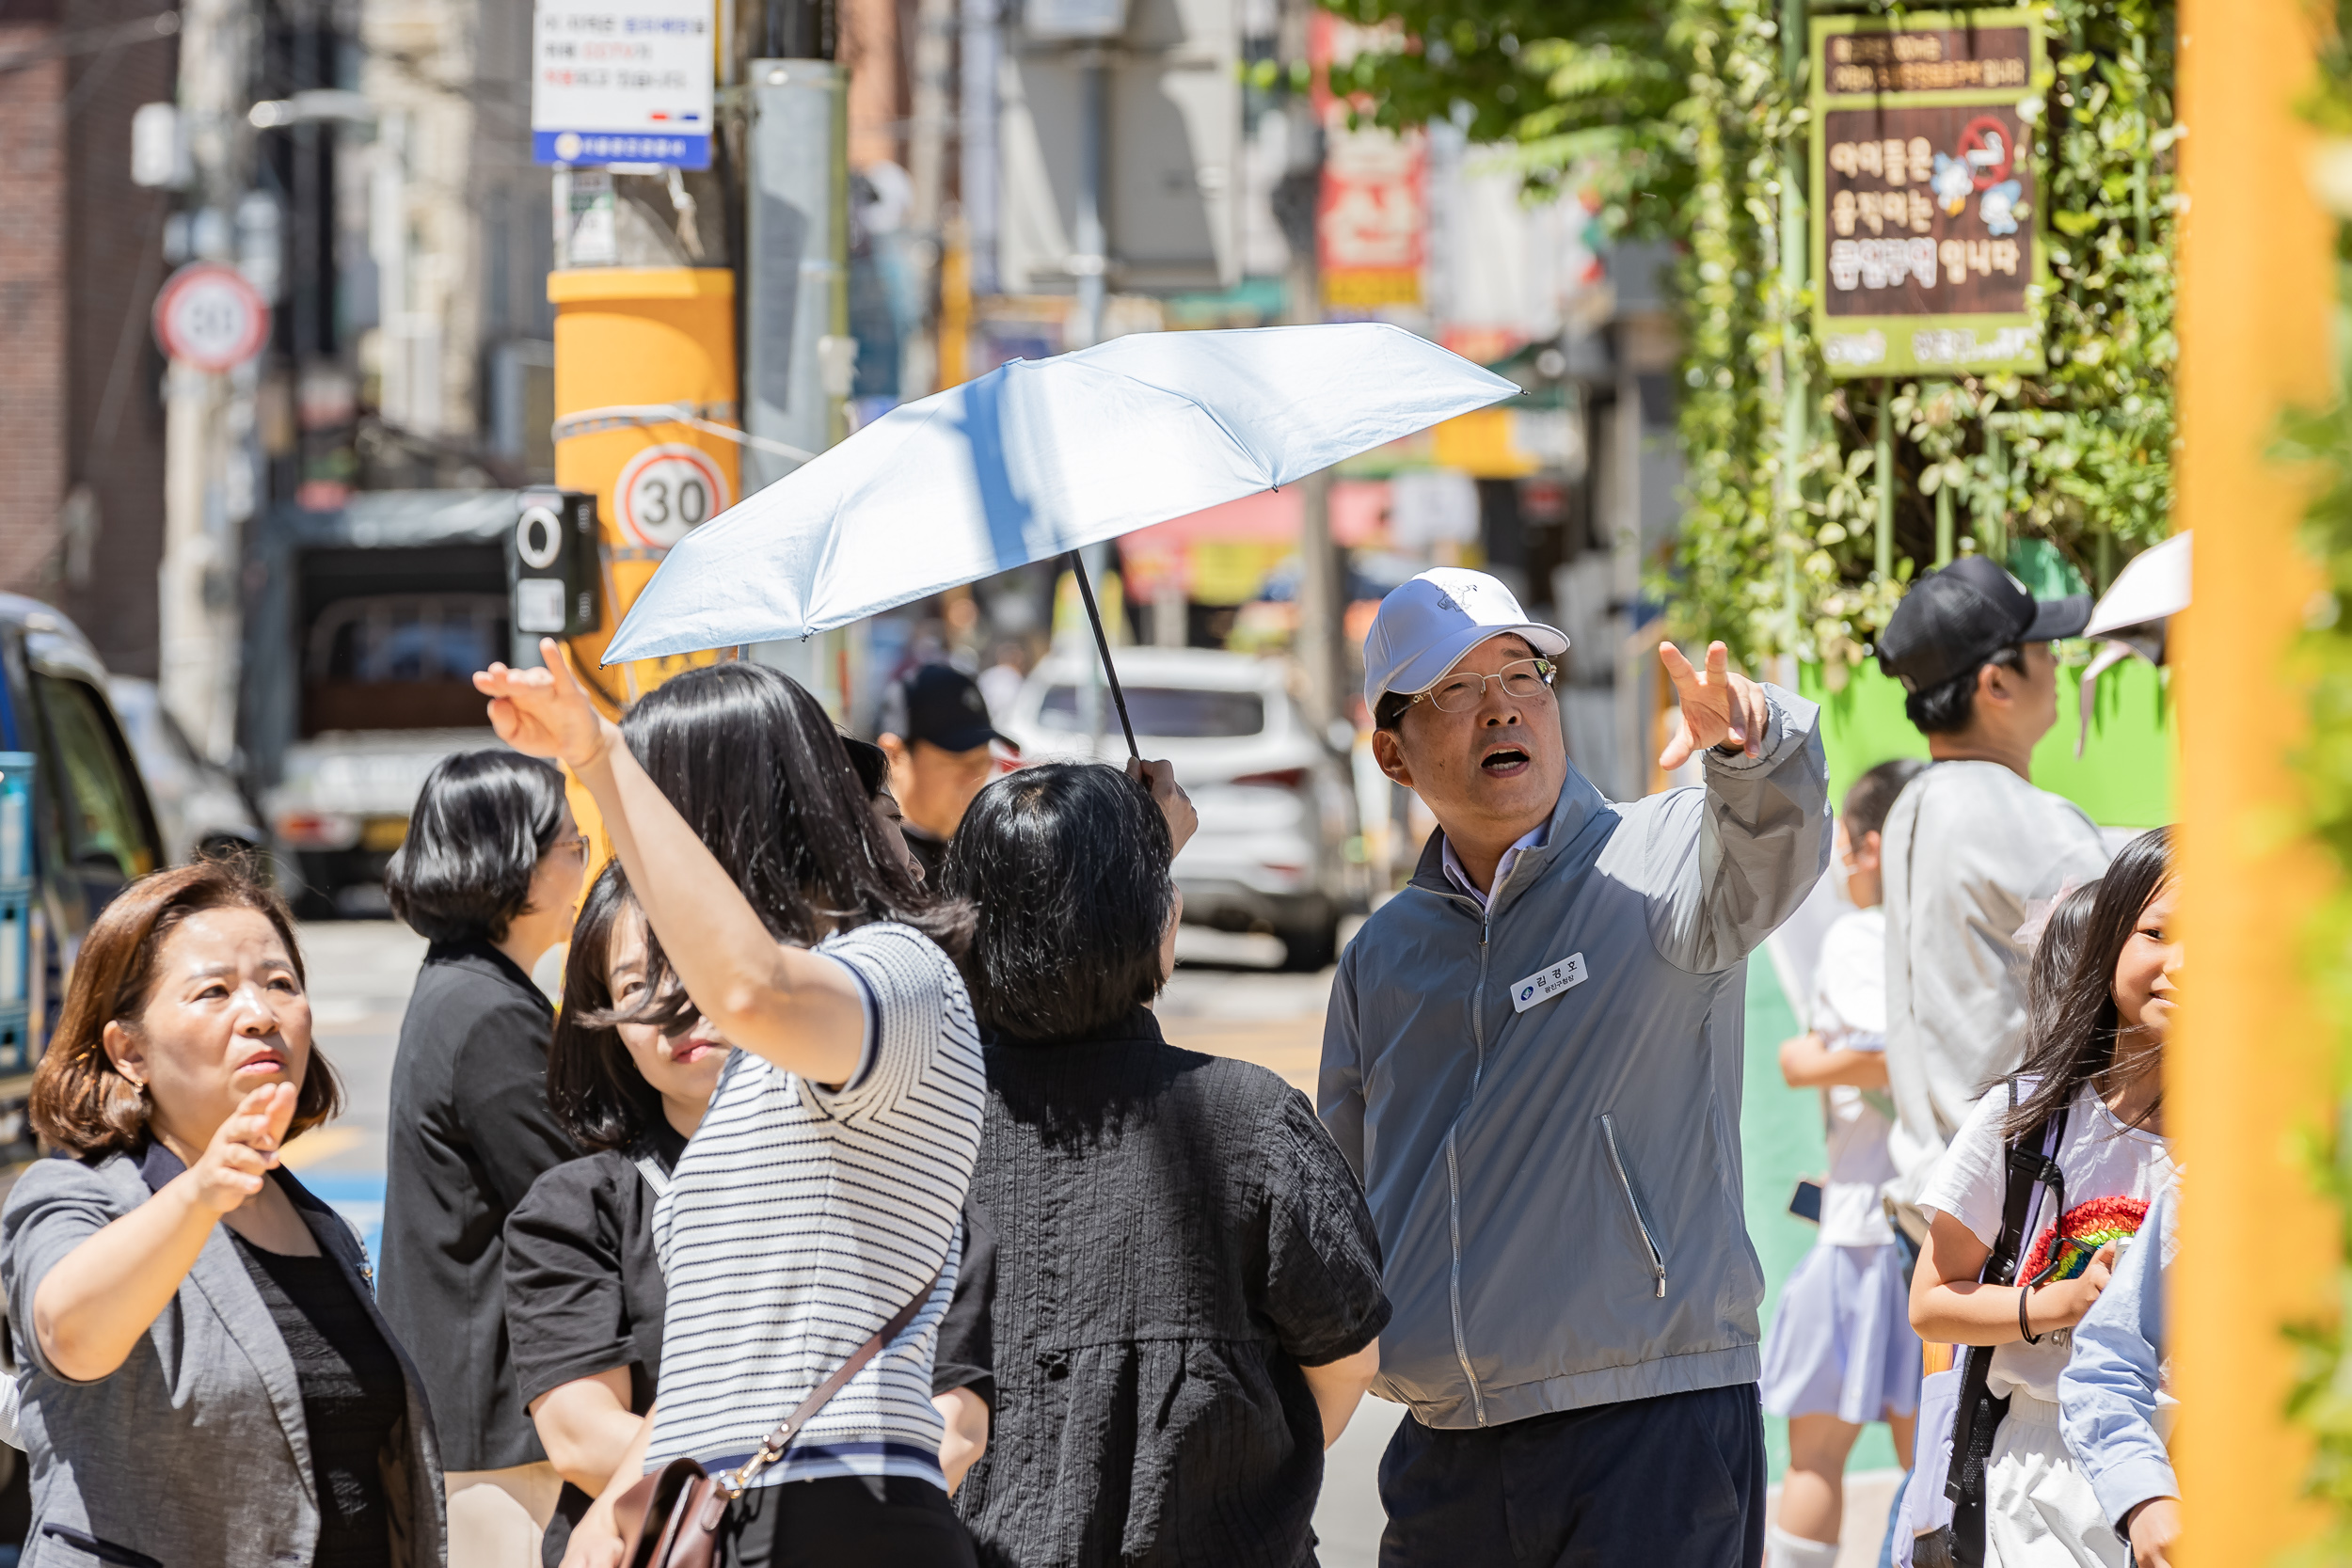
[
  {"x": 1460, "y": 692},
  {"x": 576, "y": 846}
]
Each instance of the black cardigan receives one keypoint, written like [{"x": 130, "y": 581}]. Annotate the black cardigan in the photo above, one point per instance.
[{"x": 471, "y": 1131}]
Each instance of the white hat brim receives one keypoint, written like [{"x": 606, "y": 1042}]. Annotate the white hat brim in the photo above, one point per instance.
[{"x": 1433, "y": 664}]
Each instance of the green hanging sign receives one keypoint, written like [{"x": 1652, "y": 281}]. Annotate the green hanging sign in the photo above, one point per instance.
[{"x": 1926, "y": 211}]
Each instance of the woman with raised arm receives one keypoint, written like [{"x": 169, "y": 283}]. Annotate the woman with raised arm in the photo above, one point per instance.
[
  {"x": 585, "y": 1293},
  {"x": 206, "y": 1377},
  {"x": 820, "y": 1194}
]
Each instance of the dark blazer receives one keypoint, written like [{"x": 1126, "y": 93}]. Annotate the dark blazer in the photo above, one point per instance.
[
  {"x": 195, "y": 1450},
  {"x": 471, "y": 1131}
]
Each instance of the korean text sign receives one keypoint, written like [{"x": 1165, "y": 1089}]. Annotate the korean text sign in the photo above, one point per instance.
[
  {"x": 1927, "y": 209},
  {"x": 621, "y": 82}
]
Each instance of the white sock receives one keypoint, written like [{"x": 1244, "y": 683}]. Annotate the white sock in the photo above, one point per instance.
[{"x": 1784, "y": 1550}]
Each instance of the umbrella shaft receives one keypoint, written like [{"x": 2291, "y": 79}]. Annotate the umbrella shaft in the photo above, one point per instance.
[{"x": 1103, "y": 646}]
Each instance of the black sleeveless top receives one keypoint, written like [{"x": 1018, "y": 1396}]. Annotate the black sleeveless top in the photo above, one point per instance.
[{"x": 353, "y": 1396}]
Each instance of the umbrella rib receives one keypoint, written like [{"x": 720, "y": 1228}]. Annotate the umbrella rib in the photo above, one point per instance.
[{"x": 1265, "y": 479}]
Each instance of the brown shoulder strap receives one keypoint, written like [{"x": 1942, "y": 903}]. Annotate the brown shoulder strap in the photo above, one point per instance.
[{"x": 773, "y": 1446}]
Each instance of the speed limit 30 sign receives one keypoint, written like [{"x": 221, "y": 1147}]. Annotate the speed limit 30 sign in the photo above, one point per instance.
[
  {"x": 665, "y": 492},
  {"x": 207, "y": 316}
]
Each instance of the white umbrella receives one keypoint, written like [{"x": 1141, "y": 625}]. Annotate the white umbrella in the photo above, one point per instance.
[
  {"x": 1036, "y": 459},
  {"x": 2134, "y": 616}
]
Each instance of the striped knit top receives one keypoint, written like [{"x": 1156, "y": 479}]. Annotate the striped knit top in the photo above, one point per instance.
[{"x": 800, "y": 1219}]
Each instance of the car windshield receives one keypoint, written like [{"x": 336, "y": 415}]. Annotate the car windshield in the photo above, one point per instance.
[{"x": 1169, "y": 712}]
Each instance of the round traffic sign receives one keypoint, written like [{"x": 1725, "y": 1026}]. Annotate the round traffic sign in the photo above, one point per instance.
[
  {"x": 207, "y": 316},
  {"x": 666, "y": 491}
]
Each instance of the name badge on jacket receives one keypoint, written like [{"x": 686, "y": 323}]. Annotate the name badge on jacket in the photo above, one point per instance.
[{"x": 1548, "y": 982}]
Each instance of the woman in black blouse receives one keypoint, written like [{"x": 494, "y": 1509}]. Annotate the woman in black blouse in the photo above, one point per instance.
[
  {"x": 584, "y": 1294},
  {"x": 489, "y": 873},
  {"x": 1188, "y": 1294}
]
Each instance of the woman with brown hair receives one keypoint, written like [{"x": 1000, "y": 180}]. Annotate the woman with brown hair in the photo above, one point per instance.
[{"x": 207, "y": 1378}]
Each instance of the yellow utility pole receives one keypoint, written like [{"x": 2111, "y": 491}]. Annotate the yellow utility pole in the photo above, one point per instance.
[
  {"x": 629, "y": 342},
  {"x": 2250, "y": 1070}
]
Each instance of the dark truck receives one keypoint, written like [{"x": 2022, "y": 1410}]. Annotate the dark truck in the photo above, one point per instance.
[{"x": 361, "y": 642}]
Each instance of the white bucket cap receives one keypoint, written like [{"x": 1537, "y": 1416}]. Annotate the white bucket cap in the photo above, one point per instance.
[{"x": 1426, "y": 625}]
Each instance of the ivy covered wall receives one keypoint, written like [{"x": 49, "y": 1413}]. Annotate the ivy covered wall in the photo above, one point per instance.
[{"x": 1682, "y": 117}]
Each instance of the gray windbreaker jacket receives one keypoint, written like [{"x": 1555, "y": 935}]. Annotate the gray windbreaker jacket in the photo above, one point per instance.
[{"x": 1553, "y": 1163}]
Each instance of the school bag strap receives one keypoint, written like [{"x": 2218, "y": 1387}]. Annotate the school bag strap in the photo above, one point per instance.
[{"x": 2031, "y": 1162}]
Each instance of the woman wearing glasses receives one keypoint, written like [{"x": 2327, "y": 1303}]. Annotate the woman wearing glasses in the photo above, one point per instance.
[{"x": 489, "y": 873}]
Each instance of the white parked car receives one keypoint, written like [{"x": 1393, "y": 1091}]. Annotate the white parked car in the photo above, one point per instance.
[
  {"x": 1276, "y": 815},
  {"x": 343, "y": 808},
  {"x": 199, "y": 806}
]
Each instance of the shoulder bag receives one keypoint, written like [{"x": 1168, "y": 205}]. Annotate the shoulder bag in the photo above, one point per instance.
[
  {"x": 671, "y": 1519},
  {"x": 2032, "y": 1163}
]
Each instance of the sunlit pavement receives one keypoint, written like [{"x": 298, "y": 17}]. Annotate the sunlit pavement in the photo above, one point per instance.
[{"x": 1227, "y": 999}]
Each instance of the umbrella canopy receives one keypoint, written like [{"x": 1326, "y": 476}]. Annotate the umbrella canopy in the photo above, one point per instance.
[{"x": 1036, "y": 458}]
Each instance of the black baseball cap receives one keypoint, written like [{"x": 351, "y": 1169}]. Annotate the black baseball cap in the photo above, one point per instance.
[
  {"x": 1957, "y": 617},
  {"x": 939, "y": 703}
]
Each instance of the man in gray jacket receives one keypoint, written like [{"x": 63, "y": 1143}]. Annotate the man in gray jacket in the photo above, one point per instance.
[{"x": 1533, "y": 1061}]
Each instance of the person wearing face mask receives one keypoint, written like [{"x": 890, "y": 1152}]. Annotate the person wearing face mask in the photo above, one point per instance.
[
  {"x": 2089, "y": 1094},
  {"x": 489, "y": 873},
  {"x": 1532, "y": 1060},
  {"x": 206, "y": 1376},
  {"x": 584, "y": 1292}
]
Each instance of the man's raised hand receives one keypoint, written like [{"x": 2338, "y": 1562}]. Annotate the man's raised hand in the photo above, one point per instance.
[
  {"x": 1718, "y": 707},
  {"x": 544, "y": 713}
]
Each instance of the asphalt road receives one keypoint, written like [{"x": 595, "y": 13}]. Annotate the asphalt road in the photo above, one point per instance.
[{"x": 1226, "y": 998}]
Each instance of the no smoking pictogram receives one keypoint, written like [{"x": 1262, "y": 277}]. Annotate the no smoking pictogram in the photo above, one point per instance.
[
  {"x": 207, "y": 316},
  {"x": 665, "y": 492}
]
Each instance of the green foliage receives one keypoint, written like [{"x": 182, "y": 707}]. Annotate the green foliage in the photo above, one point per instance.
[{"x": 1680, "y": 116}]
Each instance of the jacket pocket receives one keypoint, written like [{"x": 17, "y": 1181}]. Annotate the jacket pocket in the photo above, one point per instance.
[
  {"x": 105, "y": 1551},
  {"x": 1656, "y": 1254}
]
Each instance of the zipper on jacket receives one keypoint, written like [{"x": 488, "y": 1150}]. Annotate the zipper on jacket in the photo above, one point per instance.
[
  {"x": 1617, "y": 1162},
  {"x": 1454, "y": 1174},
  {"x": 1454, "y": 1285}
]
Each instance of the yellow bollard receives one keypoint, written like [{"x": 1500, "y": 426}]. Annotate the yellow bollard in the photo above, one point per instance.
[
  {"x": 630, "y": 339},
  {"x": 2250, "y": 1069}
]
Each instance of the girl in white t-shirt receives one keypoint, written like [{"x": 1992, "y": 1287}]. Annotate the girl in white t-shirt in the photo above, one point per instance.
[
  {"x": 2095, "y": 1049},
  {"x": 1841, "y": 1352}
]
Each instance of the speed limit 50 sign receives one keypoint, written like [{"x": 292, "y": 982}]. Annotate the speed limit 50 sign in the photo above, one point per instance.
[
  {"x": 207, "y": 316},
  {"x": 665, "y": 492}
]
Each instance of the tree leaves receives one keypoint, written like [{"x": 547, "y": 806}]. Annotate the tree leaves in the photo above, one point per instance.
[{"x": 1677, "y": 116}]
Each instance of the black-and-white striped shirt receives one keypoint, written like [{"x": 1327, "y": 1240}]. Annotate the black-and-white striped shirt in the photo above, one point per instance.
[{"x": 800, "y": 1219}]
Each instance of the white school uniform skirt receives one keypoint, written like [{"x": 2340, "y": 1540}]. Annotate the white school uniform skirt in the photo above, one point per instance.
[
  {"x": 1842, "y": 1342},
  {"x": 2039, "y": 1509}
]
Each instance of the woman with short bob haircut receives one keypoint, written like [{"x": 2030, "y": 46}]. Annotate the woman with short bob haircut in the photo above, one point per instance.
[
  {"x": 489, "y": 875},
  {"x": 821, "y": 1194},
  {"x": 190, "y": 1318},
  {"x": 1169, "y": 1400}
]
